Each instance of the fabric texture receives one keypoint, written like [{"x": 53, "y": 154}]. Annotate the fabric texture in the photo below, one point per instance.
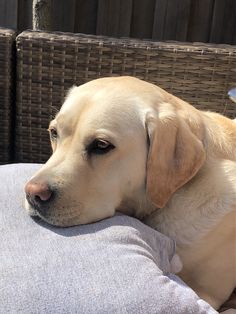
[{"x": 118, "y": 265}]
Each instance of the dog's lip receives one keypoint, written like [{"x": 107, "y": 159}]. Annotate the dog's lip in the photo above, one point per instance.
[
  {"x": 34, "y": 210},
  {"x": 45, "y": 211},
  {"x": 46, "y": 216},
  {"x": 55, "y": 222}
]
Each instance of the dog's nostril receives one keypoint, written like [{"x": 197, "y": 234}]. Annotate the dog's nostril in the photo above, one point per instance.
[
  {"x": 43, "y": 196},
  {"x": 39, "y": 199}
]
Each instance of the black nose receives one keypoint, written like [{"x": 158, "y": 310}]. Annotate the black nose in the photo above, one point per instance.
[{"x": 39, "y": 194}]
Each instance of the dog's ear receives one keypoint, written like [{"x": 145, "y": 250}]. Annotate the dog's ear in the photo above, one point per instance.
[{"x": 175, "y": 155}]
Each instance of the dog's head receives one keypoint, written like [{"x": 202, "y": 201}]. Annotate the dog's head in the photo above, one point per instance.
[{"x": 118, "y": 143}]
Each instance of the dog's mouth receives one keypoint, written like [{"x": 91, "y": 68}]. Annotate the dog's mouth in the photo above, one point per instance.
[
  {"x": 60, "y": 221},
  {"x": 57, "y": 216},
  {"x": 30, "y": 209}
]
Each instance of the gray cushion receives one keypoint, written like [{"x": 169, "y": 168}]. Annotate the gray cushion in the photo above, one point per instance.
[{"x": 118, "y": 265}]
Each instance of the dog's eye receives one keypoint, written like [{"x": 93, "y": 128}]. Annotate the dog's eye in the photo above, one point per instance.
[
  {"x": 53, "y": 133},
  {"x": 99, "y": 146}
]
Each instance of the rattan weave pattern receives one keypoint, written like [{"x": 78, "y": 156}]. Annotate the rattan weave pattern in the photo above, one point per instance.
[
  {"x": 7, "y": 38},
  {"x": 50, "y": 63}
]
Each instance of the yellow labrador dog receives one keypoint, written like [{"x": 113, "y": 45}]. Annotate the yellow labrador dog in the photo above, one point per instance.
[{"x": 122, "y": 144}]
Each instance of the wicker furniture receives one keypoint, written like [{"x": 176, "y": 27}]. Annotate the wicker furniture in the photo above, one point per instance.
[
  {"x": 50, "y": 63},
  {"x": 7, "y": 38}
]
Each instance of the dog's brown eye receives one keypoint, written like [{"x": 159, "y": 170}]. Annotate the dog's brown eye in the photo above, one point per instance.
[
  {"x": 99, "y": 146},
  {"x": 53, "y": 133}
]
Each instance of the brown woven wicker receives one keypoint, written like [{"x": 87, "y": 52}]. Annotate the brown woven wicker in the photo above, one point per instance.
[
  {"x": 7, "y": 38},
  {"x": 50, "y": 63}
]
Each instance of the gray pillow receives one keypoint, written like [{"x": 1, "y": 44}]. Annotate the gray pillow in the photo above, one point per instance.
[{"x": 118, "y": 265}]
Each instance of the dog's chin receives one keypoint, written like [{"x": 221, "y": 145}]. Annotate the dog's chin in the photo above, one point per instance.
[
  {"x": 59, "y": 222},
  {"x": 52, "y": 220}
]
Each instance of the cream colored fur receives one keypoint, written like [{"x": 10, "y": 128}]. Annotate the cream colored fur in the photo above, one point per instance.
[{"x": 172, "y": 166}]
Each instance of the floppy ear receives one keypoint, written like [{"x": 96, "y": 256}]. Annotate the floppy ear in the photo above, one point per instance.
[{"x": 175, "y": 155}]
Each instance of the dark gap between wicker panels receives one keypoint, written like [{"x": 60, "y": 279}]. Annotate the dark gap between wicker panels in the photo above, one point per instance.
[{"x": 7, "y": 38}]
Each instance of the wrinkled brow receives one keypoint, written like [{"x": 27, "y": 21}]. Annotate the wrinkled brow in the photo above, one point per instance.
[{"x": 60, "y": 123}]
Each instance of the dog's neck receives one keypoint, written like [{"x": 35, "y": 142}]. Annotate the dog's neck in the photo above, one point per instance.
[
  {"x": 199, "y": 205},
  {"x": 220, "y": 136}
]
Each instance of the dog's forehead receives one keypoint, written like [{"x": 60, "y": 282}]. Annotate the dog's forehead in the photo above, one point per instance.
[
  {"x": 115, "y": 104},
  {"x": 99, "y": 106}
]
